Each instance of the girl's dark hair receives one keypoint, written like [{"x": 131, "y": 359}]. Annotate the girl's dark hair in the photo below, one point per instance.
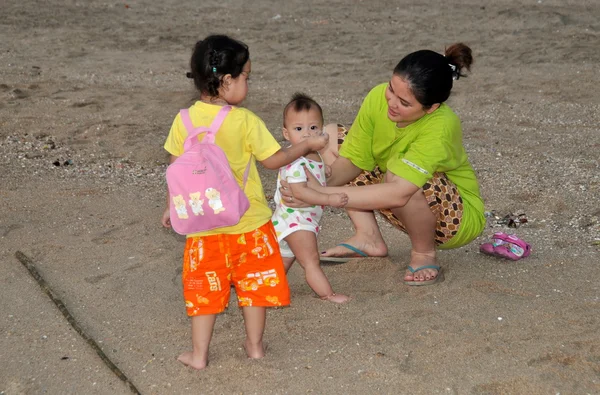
[
  {"x": 430, "y": 74},
  {"x": 301, "y": 102},
  {"x": 214, "y": 57}
]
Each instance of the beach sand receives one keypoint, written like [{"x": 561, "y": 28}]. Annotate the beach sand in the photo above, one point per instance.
[{"x": 88, "y": 91}]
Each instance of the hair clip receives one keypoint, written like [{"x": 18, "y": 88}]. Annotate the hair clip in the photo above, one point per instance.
[
  {"x": 215, "y": 70},
  {"x": 455, "y": 72}
]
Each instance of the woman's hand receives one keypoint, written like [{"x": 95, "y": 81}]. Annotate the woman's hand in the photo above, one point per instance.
[
  {"x": 288, "y": 197},
  {"x": 293, "y": 201}
]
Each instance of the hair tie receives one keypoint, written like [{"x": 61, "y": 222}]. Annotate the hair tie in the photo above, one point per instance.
[
  {"x": 212, "y": 61},
  {"x": 455, "y": 72}
]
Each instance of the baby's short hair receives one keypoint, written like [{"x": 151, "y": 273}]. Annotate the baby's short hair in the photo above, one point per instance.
[{"x": 301, "y": 102}]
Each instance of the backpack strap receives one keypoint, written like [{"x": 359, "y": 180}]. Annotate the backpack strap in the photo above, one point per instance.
[
  {"x": 247, "y": 172},
  {"x": 217, "y": 122},
  {"x": 211, "y": 131}
]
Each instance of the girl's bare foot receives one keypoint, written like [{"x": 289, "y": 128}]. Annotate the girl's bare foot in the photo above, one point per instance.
[
  {"x": 336, "y": 298},
  {"x": 188, "y": 359},
  {"x": 254, "y": 351}
]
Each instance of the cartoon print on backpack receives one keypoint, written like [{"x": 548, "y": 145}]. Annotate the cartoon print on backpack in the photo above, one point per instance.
[
  {"x": 214, "y": 200},
  {"x": 179, "y": 203},
  {"x": 196, "y": 203}
]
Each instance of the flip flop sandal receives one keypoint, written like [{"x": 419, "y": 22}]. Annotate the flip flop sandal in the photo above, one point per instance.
[
  {"x": 514, "y": 249},
  {"x": 438, "y": 278},
  {"x": 506, "y": 246},
  {"x": 343, "y": 259},
  {"x": 498, "y": 239}
]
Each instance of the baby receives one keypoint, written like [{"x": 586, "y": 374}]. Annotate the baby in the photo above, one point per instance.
[{"x": 297, "y": 228}]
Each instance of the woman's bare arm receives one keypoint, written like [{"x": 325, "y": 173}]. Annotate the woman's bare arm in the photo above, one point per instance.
[
  {"x": 342, "y": 165},
  {"x": 394, "y": 192},
  {"x": 306, "y": 194}
]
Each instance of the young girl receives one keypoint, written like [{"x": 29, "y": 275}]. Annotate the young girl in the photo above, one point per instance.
[
  {"x": 245, "y": 254},
  {"x": 297, "y": 228}
]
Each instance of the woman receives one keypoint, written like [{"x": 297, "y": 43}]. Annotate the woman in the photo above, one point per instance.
[{"x": 404, "y": 151}]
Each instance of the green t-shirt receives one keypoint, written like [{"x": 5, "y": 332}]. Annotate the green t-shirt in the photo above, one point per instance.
[{"x": 431, "y": 144}]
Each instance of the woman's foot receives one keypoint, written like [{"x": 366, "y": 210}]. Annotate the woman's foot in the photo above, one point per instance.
[
  {"x": 188, "y": 359},
  {"x": 254, "y": 350},
  {"x": 336, "y": 298},
  {"x": 370, "y": 247},
  {"x": 418, "y": 276}
]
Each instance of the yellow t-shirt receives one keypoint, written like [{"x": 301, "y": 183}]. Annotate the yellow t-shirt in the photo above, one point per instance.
[{"x": 242, "y": 136}]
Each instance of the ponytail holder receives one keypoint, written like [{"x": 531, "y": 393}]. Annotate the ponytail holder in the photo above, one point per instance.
[
  {"x": 215, "y": 70},
  {"x": 455, "y": 72}
]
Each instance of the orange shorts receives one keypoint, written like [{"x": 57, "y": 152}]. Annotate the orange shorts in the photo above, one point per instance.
[{"x": 250, "y": 261}]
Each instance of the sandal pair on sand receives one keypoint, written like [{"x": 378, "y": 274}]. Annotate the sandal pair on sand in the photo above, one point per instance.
[
  {"x": 506, "y": 246},
  {"x": 357, "y": 254}
]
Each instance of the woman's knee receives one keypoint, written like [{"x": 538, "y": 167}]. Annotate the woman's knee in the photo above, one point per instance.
[{"x": 417, "y": 206}]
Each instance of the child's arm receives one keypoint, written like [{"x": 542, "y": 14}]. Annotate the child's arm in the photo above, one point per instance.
[
  {"x": 166, "y": 217},
  {"x": 287, "y": 155},
  {"x": 308, "y": 195}
]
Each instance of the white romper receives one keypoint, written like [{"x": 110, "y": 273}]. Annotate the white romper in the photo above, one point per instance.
[{"x": 288, "y": 220}]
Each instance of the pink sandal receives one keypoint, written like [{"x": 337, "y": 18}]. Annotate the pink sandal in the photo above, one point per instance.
[
  {"x": 506, "y": 246},
  {"x": 498, "y": 239}
]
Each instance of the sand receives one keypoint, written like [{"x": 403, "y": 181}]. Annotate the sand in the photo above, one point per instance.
[{"x": 88, "y": 91}]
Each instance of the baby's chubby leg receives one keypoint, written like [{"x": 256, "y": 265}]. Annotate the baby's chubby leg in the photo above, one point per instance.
[
  {"x": 202, "y": 330},
  {"x": 287, "y": 263},
  {"x": 303, "y": 244}
]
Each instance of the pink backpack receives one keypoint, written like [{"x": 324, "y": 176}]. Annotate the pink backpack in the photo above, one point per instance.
[{"x": 204, "y": 193}]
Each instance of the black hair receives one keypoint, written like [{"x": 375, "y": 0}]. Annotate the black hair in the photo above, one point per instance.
[
  {"x": 214, "y": 57},
  {"x": 301, "y": 102},
  {"x": 430, "y": 74}
]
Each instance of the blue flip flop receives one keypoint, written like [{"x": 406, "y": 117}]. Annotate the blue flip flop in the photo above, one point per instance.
[
  {"x": 342, "y": 259},
  {"x": 438, "y": 278}
]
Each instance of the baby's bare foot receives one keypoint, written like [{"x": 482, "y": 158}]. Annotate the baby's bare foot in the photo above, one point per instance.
[
  {"x": 188, "y": 359},
  {"x": 254, "y": 351},
  {"x": 336, "y": 298}
]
